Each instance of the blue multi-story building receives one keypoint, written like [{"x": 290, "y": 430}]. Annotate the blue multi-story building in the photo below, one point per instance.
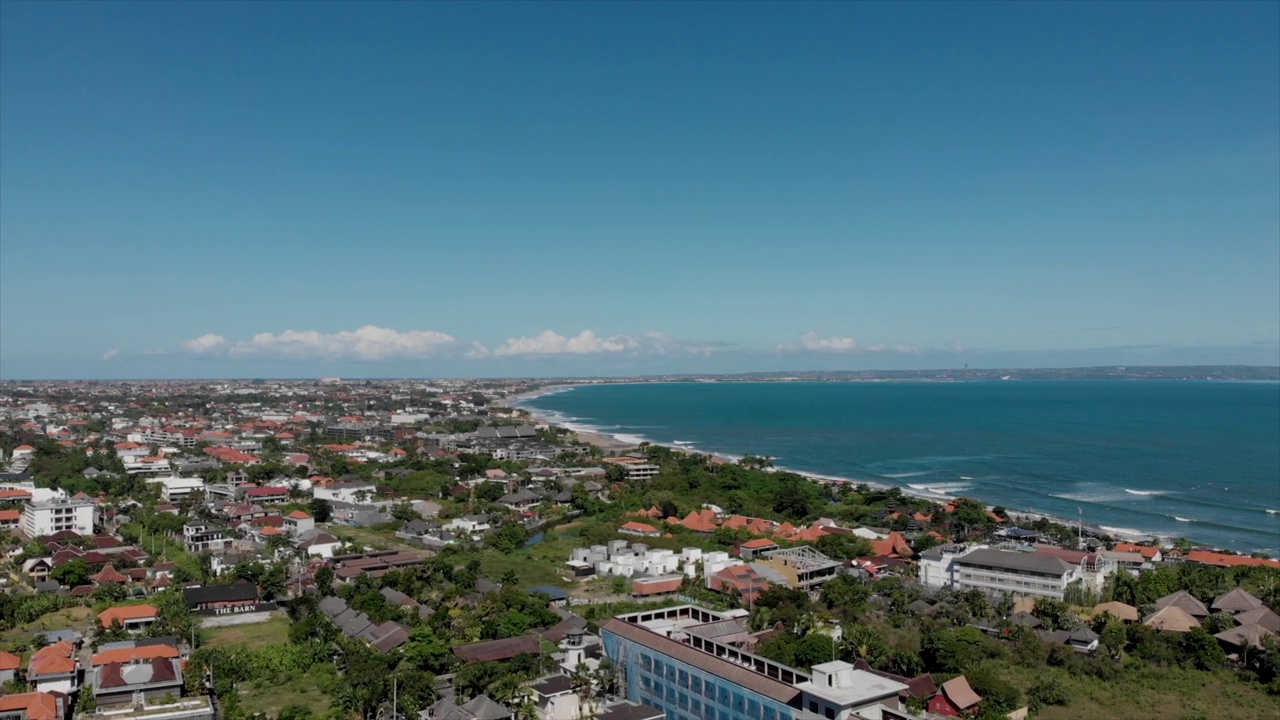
[{"x": 688, "y": 662}]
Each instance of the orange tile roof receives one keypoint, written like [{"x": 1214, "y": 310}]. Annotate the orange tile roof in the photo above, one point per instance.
[
  {"x": 37, "y": 705},
  {"x": 639, "y": 527},
  {"x": 1145, "y": 551},
  {"x": 759, "y": 543},
  {"x": 9, "y": 661},
  {"x": 55, "y": 659},
  {"x": 10, "y": 515},
  {"x": 14, "y": 493},
  {"x": 124, "y": 655},
  {"x": 125, "y": 613},
  {"x": 1226, "y": 560},
  {"x": 298, "y": 515},
  {"x": 23, "y": 447}
]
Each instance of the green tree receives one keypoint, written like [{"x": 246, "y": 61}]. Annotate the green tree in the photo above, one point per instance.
[
  {"x": 73, "y": 573},
  {"x": 321, "y": 510}
]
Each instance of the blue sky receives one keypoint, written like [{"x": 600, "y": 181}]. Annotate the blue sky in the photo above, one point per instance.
[{"x": 291, "y": 189}]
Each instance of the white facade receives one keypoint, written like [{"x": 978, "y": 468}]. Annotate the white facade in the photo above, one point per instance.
[
  {"x": 1004, "y": 572},
  {"x": 175, "y": 488},
  {"x": 47, "y": 518},
  {"x": 350, "y": 493}
]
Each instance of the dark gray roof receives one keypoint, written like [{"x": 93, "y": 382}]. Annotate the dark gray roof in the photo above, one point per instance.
[
  {"x": 631, "y": 711},
  {"x": 235, "y": 592},
  {"x": 395, "y": 597},
  {"x": 553, "y": 685},
  {"x": 552, "y": 592},
  {"x": 1016, "y": 561},
  {"x": 482, "y": 707},
  {"x": 332, "y": 606}
]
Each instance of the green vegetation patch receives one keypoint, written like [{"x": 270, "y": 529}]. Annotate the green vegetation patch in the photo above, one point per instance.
[{"x": 256, "y": 635}]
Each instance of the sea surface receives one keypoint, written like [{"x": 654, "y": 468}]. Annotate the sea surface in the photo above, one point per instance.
[{"x": 1199, "y": 460}]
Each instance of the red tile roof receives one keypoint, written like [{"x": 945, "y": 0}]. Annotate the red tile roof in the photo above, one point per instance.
[
  {"x": 55, "y": 659},
  {"x": 37, "y": 705},
  {"x": 144, "y": 652},
  {"x": 125, "y": 613}
]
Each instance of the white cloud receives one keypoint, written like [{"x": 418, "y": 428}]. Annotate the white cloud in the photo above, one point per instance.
[
  {"x": 549, "y": 342},
  {"x": 901, "y": 348},
  {"x": 587, "y": 342},
  {"x": 812, "y": 341},
  {"x": 205, "y": 343},
  {"x": 113, "y": 352},
  {"x": 367, "y": 343}
]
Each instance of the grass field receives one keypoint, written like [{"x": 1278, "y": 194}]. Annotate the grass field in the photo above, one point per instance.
[
  {"x": 272, "y": 632},
  {"x": 270, "y": 698},
  {"x": 1154, "y": 694},
  {"x": 76, "y": 618}
]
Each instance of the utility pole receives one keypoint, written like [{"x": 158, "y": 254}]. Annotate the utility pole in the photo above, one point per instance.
[{"x": 1080, "y": 531}]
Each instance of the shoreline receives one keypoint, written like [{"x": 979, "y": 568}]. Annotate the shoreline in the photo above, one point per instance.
[{"x": 611, "y": 442}]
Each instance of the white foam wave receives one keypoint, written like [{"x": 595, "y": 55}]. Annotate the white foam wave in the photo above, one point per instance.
[
  {"x": 1181, "y": 519},
  {"x": 899, "y": 476},
  {"x": 965, "y": 477},
  {"x": 1145, "y": 493},
  {"x": 1124, "y": 532},
  {"x": 1273, "y": 512}
]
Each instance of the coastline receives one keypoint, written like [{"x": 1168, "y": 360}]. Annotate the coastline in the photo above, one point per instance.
[{"x": 618, "y": 442}]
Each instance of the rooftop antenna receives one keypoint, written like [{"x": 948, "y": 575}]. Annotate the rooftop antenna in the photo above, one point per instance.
[{"x": 1080, "y": 538}]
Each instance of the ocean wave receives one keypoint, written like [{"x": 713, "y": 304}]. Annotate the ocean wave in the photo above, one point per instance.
[
  {"x": 1181, "y": 519},
  {"x": 1273, "y": 512},
  {"x": 1145, "y": 493},
  {"x": 899, "y": 476}
]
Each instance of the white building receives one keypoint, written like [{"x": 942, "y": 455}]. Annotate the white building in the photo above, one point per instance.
[
  {"x": 997, "y": 572},
  {"x": 148, "y": 466},
  {"x": 352, "y": 493},
  {"x": 175, "y": 488},
  {"x": 47, "y": 518}
]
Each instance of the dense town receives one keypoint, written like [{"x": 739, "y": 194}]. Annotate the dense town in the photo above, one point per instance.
[{"x": 395, "y": 549}]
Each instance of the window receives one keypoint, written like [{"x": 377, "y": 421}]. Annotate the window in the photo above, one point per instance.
[
  {"x": 646, "y": 662},
  {"x": 645, "y": 682},
  {"x": 695, "y": 684},
  {"x": 682, "y": 678},
  {"x": 830, "y": 712},
  {"x": 813, "y": 706},
  {"x": 753, "y": 709},
  {"x": 682, "y": 700},
  {"x": 709, "y": 690},
  {"x": 770, "y": 714},
  {"x": 738, "y": 703}
]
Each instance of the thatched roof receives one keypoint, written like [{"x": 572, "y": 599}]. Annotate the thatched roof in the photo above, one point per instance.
[
  {"x": 1245, "y": 636},
  {"x": 1237, "y": 600},
  {"x": 1184, "y": 601},
  {"x": 1118, "y": 610},
  {"x": 1171, "y": 618}
]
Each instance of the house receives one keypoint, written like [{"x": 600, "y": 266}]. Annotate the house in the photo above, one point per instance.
[
  {"x": 55, "y": 668},
  {"x": 118, "y": 683},
  {"x": 644, "y": 586},
  {"x": 352, "y": 492},
  {"x": 33, "y": 706},
  {"x": 134, "y": 618},
  {"x": 1118, "y": 610},
  {"x": 1237, "y": 600},
  {"x": 995, "y": 571},
  {"x": 173, "y": 489},
  {"x": 751, "y": 548},
  {"x": 1185, "y": 601},
  {"x": 556, "y": 698},
  {"x": 318, "y": 544},
  {"x": 9, "y": 664},
  {"x": 1171, "y": 618},
  {"x": 742, "y": 581},
  {"x": 639, "y": 528},
  {"x": 955, "y": 698},
  {"x": 298, "y": 522},
  {"x": 470, "y": 524},
  {"x": 491, "y": 650},
  {"x": 521, "y": 499},
  {"x": 1149, "y": 554},
  {"x": 267, "y": 495},
  {"x": 201, "y": 535},
  {"x": 226, "y": 598}
]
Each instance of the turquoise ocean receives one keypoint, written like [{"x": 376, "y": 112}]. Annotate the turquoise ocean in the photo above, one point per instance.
[{"x": 1199, "y": 460}]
